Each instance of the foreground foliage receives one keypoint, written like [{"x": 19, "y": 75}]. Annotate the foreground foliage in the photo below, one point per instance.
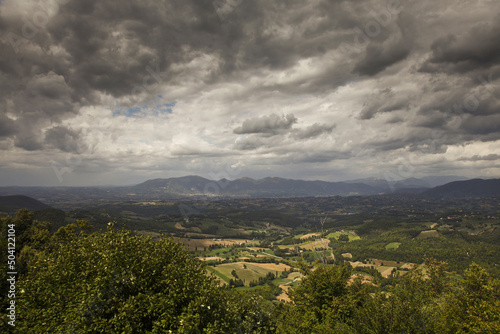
[
  {"x": 115, "y": 281},
  {"x": 118, "y": 282}
]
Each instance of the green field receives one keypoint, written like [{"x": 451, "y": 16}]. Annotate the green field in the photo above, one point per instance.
[
  {"x": 216, "y": 252},
  {"x": 392, "y": 246},
  {"x": 428, "y": 234},
  {"x": 290, "y": 280},
  {"x": 218, "y": 274},
  {"x": 337, "y": 234},
  {"x": 312, "y": 245},
  {"x": 252, "y": 272}
]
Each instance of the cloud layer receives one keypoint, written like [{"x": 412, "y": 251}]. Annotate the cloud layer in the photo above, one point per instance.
[{"x": 114, "y": 92}]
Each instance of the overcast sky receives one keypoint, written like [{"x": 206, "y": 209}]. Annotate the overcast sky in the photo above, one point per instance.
[{"x": 117, "y": 91}]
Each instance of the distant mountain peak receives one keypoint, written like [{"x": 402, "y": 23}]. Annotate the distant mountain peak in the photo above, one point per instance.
[{"x": 245, "y": 179}]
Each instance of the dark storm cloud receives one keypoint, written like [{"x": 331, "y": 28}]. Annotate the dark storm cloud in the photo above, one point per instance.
[
  {"x": 426, "y": 70},
  {"x": 116, "y": 47},
  {"x": 386, "y": 39},
  {"x": 470, "y": 61},
  {"x": 89, "y": 49},
  {"x": 270, "y": 124},
  {"x": 478, "y": 48},
  {"x": 7, "y": 126},
  {"x": 279, "y": 34},
  {"x": 485, "y": 127},
  {"x": 382, "y": 51}
]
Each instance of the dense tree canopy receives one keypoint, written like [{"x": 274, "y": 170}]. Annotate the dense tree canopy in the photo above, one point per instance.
[{"x": 119, "y": 282}]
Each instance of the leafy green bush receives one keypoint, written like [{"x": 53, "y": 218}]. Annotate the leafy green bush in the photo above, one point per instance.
[{"x": 118, "y": 282}]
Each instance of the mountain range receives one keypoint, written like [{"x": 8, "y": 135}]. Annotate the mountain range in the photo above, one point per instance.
[
  {"x": 189, "y": 186},
  {"x": 247, "y": 187},
  {"x": 280, "y": 187},
  {"x": 196, "y": 187}
]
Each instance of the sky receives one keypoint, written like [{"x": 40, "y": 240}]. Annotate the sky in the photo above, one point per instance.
[{"x": 117, "y": 92}]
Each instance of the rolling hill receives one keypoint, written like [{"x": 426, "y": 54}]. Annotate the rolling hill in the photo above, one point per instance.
[
  {"x": 417, "y": 184},
  {"x": 10, "y": 204},
  {"x": 469, "y": 188}
]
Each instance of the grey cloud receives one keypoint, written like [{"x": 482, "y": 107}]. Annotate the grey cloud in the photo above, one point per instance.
[
  {"x": 275, "y": 142},
  {"x": 489, "y": 157},
  {"x": 318, "y": 157},
  {"x": 28, "y": 141},
  {"x": 50, "y": 86},
  {"x": 189, "y": 151},
  {"x": 312, "y": 131},
  {"x": 476, "y": 96},
  {"x": 270, "y": 124},
  {"x": 395, "y": 120},
  {"x": 248, "y": 144},
  {"x": 434, "y": 120},
  {"x": 287, "y": 156},
  {"x": 331, "y": 78},
  {"x": 443, "y": 101},
  {"x": 264, "y": 144},
  {"x": 388, "y": 144},
  {"x": 386, "y": 100},
  {"x": 417, "y": 139},
  {"x": 65, "y": 139}
]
